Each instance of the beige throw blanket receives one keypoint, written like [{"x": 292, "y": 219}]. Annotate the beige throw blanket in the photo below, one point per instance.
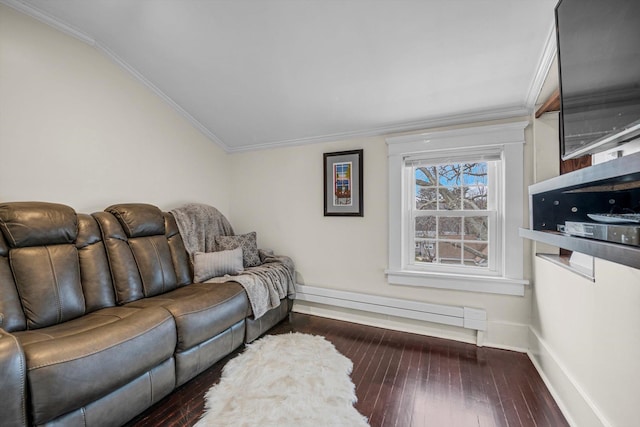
[
  {"x": 265, "y": 284},
  {"x": 199, "y": 225}
]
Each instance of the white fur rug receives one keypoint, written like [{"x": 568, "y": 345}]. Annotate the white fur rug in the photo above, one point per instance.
[{"x": 295, "y": 380}]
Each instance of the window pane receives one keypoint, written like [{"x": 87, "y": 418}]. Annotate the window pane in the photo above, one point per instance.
[
  {"x": 426, "y": 227},
  {"x": 475, "y": 198},
  {"x": 450, "y": 227},
  {"x": 476, "y": 254},
  {"x": 450, "y": 175},
  {"x": 426, "y": 176},
  {"x": 475, "y": 174},
  {"x": 475, "y": 186},
  {"x": 426, "y": 198},
  {"x": 449, "y": 253},
  {"x": 476, "y": 228},
  {"x": 425, "y": 251},
  {"x": 450, "y": 198}
]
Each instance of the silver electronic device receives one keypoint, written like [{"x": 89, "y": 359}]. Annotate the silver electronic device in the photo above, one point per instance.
[{"x": 625, "y": 233}]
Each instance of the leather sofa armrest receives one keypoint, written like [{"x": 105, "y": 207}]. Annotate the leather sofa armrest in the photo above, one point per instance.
[{"x": 13, "y": 381}]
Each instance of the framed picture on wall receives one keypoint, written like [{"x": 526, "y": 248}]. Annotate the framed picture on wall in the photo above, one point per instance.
[{"x": 343, "y": 183}]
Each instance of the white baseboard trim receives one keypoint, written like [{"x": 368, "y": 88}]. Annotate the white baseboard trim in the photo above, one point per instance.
[
  {"x": 464, "y": 317},
  {"x": 463, "y": 324},
  {"x": 564, "y": 388},
  {"x": 384, "y": 321}
]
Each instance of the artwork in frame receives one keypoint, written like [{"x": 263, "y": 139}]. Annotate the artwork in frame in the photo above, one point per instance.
[{"x": 343, "y": 183}]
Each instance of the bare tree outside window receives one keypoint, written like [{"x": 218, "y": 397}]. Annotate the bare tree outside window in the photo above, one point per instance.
[{"x": 451, "y": 223}]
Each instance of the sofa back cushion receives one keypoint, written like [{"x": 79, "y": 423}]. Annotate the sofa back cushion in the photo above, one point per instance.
[
  {"x": 11, "y": 315},
  {"x": 27, "y": 224},
  {"x": 48, "y": 281},
  {"x": 95, "y": 275},
  {"x": 179, "y": 254},
  {"x": 44, "y": 260},
  {"x": 53, "y": 265},
  {"x": 143, "y": 263}
]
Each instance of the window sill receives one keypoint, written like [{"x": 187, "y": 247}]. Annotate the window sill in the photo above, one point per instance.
[{"x": 461, "y": 282}]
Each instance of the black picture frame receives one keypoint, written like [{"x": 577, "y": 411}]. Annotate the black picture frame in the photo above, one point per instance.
[{"x": 343, "y": 183}]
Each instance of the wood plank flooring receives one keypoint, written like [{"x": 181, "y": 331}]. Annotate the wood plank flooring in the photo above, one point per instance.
[{"x": 403, "y": 380}]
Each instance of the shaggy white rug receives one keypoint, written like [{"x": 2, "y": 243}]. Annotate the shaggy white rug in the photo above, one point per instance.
[{"x": 295, "y": 380}]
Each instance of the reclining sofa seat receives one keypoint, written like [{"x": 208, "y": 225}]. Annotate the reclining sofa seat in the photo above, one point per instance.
[
  {"x": 73, "y": 352},
  {"x": 150, "y": 268}
]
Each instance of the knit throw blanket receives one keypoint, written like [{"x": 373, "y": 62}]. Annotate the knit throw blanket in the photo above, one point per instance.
[
  {"x": 265, "y": 284},
  {"x": 199, "y": 225}
]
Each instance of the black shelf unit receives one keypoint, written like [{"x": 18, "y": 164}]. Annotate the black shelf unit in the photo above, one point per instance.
[{"x": 613, "y": 186}]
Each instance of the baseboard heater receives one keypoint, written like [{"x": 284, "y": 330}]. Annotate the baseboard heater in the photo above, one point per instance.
[{"x": 465, "y": 317}]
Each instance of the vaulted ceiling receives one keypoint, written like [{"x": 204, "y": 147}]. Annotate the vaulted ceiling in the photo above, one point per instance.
[{"x": 260, "y": 73}]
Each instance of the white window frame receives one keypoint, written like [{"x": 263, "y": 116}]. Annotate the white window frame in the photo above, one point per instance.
[{"x": 506, "y": 275}]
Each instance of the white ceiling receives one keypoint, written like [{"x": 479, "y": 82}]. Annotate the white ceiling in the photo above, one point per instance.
[{"x": 261, "y": 73}]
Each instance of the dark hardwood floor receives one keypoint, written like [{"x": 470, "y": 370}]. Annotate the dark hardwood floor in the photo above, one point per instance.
[{"x": 402, "y": 380}]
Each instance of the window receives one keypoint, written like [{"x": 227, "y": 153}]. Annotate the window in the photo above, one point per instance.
[
  {"x": 450, "y": 225},
  {"x": 453, "y": 214}
]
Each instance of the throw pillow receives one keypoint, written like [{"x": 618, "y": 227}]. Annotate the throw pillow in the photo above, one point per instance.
[
  {"x": 245, "y": 241},
  {"x": 214, "y": 264}
]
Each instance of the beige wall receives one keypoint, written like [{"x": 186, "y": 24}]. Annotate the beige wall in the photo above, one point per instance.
[
  {"x": 278, "y": 193},
  {"x": 77, "y": 129},
  {"x": 584, "y": 334}
]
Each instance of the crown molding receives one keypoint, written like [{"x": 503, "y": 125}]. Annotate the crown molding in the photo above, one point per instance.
[
  {"x": 45, "y": 18},
  {"x": 452, "y": 120},
  {"x": 544, "y": 65},
  {"x": 79, "y": 35}
]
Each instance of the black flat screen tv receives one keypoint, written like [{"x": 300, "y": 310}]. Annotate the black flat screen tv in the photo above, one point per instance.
[{"x": 599, "y": 62}]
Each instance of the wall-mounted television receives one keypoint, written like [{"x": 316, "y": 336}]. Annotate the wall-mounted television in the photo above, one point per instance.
[{"x": 599, "y": 61}]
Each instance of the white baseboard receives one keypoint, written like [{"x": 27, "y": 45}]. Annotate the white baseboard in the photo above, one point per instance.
[
  {"x": 501, "y": 335},
  {"x": 385, "y": 321},
  {"x": 564, "y": 388},
  {"x": 464, "y": 317}
]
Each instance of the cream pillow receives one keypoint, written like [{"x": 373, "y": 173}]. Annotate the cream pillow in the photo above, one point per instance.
[{"x": 213, "y": 264}]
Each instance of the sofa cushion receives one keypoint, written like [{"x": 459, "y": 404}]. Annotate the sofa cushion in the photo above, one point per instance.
[
  {"x": 181, "y": 261},
  {"x": 92, "y": 356},
  {"x": 214, "y": 264},
  {"x": 139, "y": 219},
  {"x": 95, "y": 275},
  {"x": 142, "y": 266},
  {"x": 11, "y": 314},
  {"x": 201, "y": 311},
  {"x": 27, "y": 224},
  {"x": 48, "y": 282},
  {"x": 154, "y": 262},
  {"x": 247, "y": 242}
]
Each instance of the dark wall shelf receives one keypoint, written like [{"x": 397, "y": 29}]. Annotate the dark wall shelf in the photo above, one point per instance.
[{"x": 613, "y": 186}]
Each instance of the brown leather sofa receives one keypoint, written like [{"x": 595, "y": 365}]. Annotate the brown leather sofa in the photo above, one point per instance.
[{"x": 98, "y": 316}]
